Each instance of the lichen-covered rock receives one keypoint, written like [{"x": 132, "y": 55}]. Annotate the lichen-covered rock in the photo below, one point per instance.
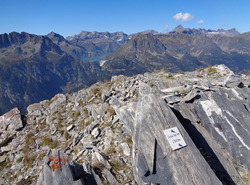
[
  {"x": 11, "y": 121},
  {"x": 58, "y": 169}
]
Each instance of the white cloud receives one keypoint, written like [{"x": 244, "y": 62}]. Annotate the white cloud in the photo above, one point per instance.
[
  {"x": 200, "y": 22},
  {"x": 183, "y": 16}
]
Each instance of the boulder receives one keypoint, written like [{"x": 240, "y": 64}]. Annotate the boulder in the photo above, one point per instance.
[
  {"x": 233, "y": 81},
  {"x": 125, "y": 149},
  {"x": 6, "y": 137},
  {"x": 176, "y": 90},
  {"x": 35, "y": 109},
  {"x": 11, "y": 121},
  {"x": 223, "y": 70},
  {"x": 58, "y": 169},
  {"x": 100, "y": 158},
  {"x": 95, "y": 132},
  {"x": 2, "y": 158}
]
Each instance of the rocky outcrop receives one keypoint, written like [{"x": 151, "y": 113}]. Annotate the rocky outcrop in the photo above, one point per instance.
[
  {"x": 115, "y": 132},
  {"x": 11, "y": 121},
  {"x": 155, "y": 161},
  {"x": 185, "y": 96},
  {"x": 58, "y": 169},
  {"x": 10, "y": 124}
]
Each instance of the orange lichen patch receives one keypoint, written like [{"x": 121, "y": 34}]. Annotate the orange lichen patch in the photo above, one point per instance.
[
  {"x": 52, "y": 157},
  {"x": 65, "y": 160},
  {"x": 57, "y": 162}
]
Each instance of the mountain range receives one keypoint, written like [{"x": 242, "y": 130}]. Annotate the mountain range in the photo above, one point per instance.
[
  {"x": 197, "y": 32},
  {"x": 34, "y": 67},
  {"x": 181, "y": 52}
]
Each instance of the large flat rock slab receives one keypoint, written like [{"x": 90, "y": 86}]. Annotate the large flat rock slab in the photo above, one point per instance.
[
  {"x": 155, "y": 161},
  {"x": 224, "y": 115}
]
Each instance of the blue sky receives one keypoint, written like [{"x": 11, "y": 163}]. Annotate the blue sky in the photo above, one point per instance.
[{"x": 69, "y": 17}]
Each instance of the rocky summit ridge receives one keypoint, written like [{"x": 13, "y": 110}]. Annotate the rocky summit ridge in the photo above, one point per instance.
[{"x": 113, "y": 132}]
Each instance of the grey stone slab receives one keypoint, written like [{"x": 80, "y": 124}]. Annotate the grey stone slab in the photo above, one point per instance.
[
  {"x": 227, "y": 120},
  {"x": 154, "y": 160},
  {"x": 58, "y": 169},
  {"x": 172, "y": 98},
  {"x": 191, "y": 96},
  {"x": 215, "y": 154}
]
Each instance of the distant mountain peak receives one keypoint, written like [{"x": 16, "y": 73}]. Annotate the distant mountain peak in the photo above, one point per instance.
[
  {"x": 56, "y": 38},
  {"x": 153, "y": 32},
  {"x": 179, "y": 28},
  {"x": 201, "y": 31},
  {"x": 53, "y": 34}
]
